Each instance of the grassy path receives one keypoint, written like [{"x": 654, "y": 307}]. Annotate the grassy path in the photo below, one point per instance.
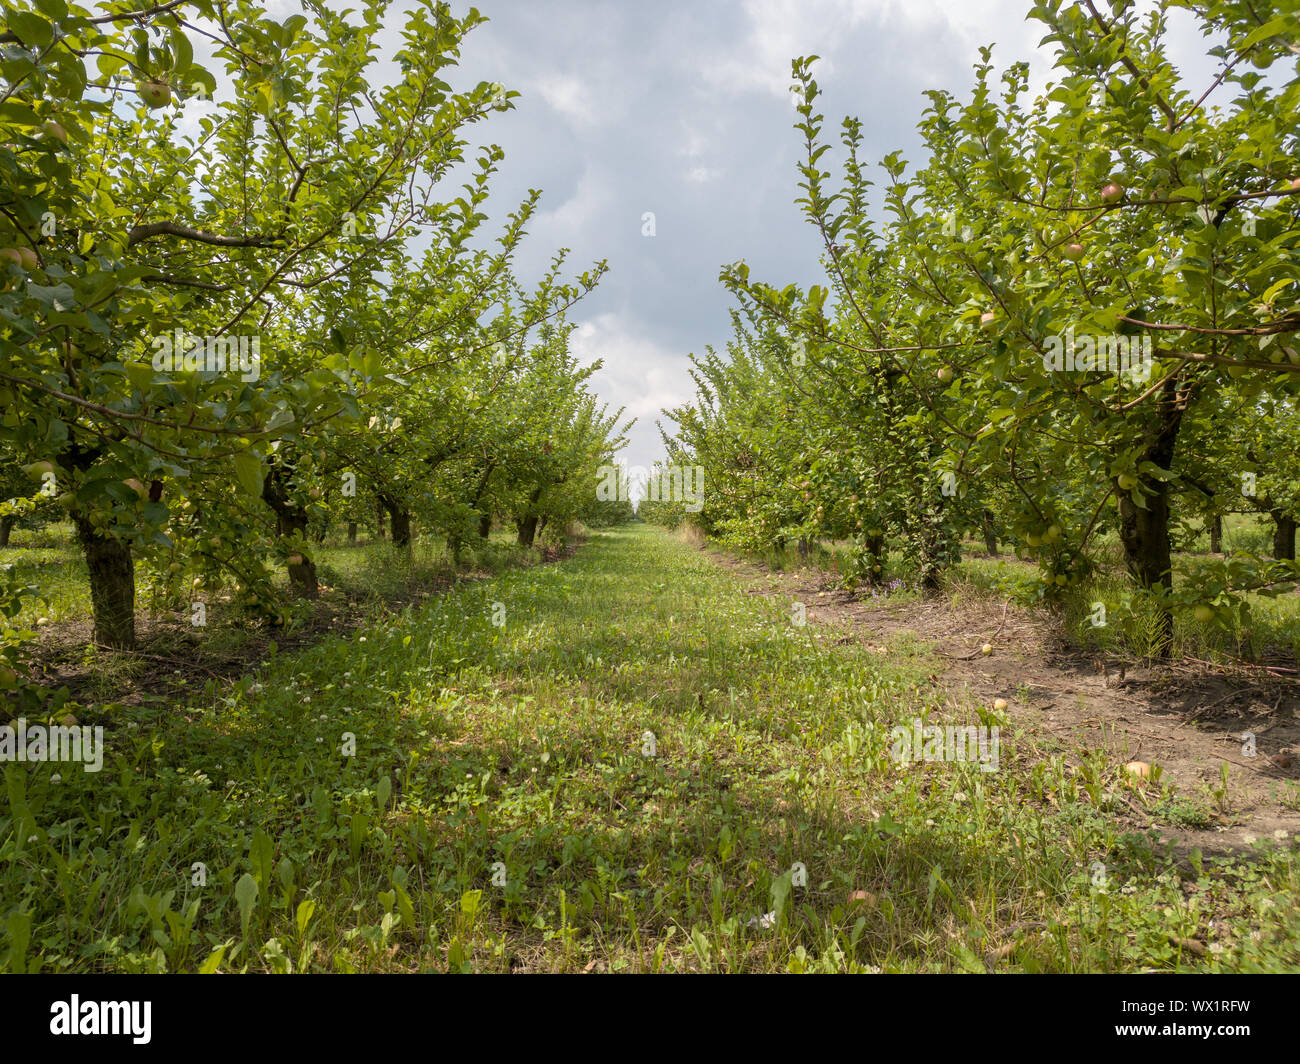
[{"x": 442, "y": 791}]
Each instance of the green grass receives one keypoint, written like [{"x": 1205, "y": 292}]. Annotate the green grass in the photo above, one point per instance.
[
  {"x": 373, "y": 571},
  {"x": 499, "y": 812}
]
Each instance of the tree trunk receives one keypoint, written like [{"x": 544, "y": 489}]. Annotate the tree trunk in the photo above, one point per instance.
[
  {"x": 1144, "y": 532},
  {"x": 379, "y": 518},
  {"x": 6, "y": 526},
  {"x": 990, "y": 533},
  {"x": 1283, "y": 537},
  {"x": 875, "y": 546},
  {"x": 1216, "y": 534},
  {"x": 291, "y": 521},
  {"x": 399, "y": 520},
  {"x": 352, "y": 533},
  {"x": 112, "y": 586},
  {"x": 527, "y": 524},
  {"x": 485, "y": 517},
  {"x": 935, "y": 546}
]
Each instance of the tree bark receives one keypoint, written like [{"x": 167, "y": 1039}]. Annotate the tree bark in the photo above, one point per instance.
[
  {"x": 112, "y": 586},
  {"x": 352, "y": 533},
  {"x": 875, "y": 546},
  {"x": 1284, "y": 527},
  {"x": 399, "y": 520},
  {"x": 527, "y": 524},
  {"x": 1216, "y": 534},
  {"x": 291, "y": 521},
  {"x": 6, "y": 526},
  {"x": 990, "y": 533},
  {"x": 1144, "y": 531}
]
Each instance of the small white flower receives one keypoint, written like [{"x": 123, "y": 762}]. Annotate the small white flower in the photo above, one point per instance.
[
  {"x": 1249, "y": 840},
  {"x": 230, "y": 783},
  {"x": 33, "y": 838},
  {"x": 56, "y": 778},
  {"x": 1280, "y": 833}
]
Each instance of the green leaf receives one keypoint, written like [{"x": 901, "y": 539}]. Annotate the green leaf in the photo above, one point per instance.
[
  {"x": 248, "y": 471},
  {"x": 303, "y": 916},
  {"x": 246, "y": 897}
]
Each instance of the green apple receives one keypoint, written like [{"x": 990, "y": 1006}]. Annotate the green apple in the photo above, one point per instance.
[
  {"x": 1062, "y": 580},
  {"x": 944, "y": 374},
  {"x": 56, "y": 132},
  {"x": 136, "y": 487},
  {"x": 988, "y": 319},
  {"x": 1112, "y": 193},
  {"x": 1204, "y": 613},
  {"x": 999, "y": 705},
  {"x": 1033, "y": 539},
  {"x": 175, "y": 567},
  {"x": 1053, "y": 534},
  {"x": 294, "y": 559},
  {"x": 155, "y": 94},
  {"x": 1073, "y": 252},
  {"x": 28, "y": 259},
  {"x": 1127, "y": 481},
  {"x": 986, "y": 649}
]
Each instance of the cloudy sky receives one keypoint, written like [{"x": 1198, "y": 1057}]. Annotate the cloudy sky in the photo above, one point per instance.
[{"x": 683, "y": 108}]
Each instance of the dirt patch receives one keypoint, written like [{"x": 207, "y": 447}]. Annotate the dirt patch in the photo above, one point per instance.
[{"x": 1189, "y": 718}]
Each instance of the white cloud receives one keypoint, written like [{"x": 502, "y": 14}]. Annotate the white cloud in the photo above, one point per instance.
[
  {"x": 639, "y": 374},
  {"x": 568, "y": 96}
]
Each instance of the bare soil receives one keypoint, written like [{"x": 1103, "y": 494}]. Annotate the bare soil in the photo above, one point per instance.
[{"x": 1187, "y": 717}]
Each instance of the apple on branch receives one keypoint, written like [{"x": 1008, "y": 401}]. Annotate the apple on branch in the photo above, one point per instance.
[{"x": 155, "y": 94}]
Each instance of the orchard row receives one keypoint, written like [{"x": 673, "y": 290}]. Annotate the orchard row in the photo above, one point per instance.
[{"x": 922, "y": 394}]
